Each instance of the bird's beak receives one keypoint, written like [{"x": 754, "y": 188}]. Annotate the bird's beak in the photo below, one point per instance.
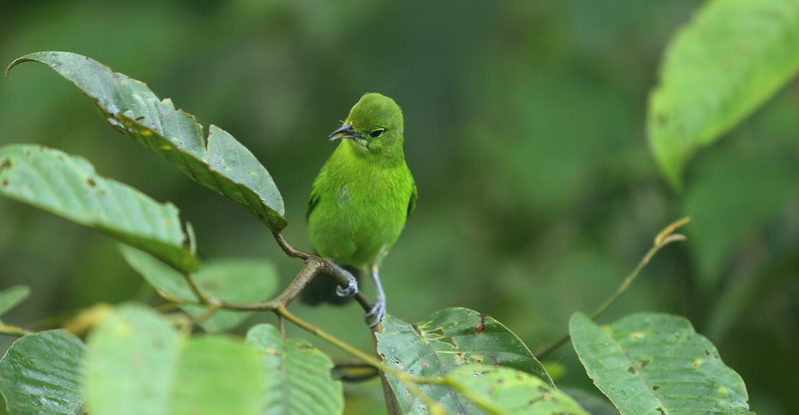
[{"x": 345, "y": 131}]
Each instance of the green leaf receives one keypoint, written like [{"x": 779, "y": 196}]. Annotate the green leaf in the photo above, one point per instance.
[
  {"x": 222, "y": 163},
  {"x": 40, "y": 374},
  {"x": 217, "y": 375},
  {"x": 508, "y": 391},
  {"x": 297, "y": 375},
  {"x": 67, "y": 186},
  {"x": 137, "y": 363},
  {"x": 731, "y": 58},
  {"x": 240, "y": 280},
  {"x": 444, "y": 341},
  {"x": 10, "y": 297},
  {"x": 656, "y": 364},
  {"x": 131, "y": 363}
]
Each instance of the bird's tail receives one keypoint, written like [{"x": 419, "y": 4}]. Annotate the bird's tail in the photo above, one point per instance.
[{"x": 322, "y": 289}]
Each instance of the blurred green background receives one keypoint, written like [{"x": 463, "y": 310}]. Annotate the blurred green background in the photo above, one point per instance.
[{"x": 524, "y": 130}]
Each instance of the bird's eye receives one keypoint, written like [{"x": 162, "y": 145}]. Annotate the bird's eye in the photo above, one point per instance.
[{"x": 377, "y": 133}]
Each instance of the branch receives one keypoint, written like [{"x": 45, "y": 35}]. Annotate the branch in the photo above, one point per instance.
[
  {"x": 293, "y": 290},
  {"x": 663, "y": 238},
  {"x": 405, "y": 378},
  {"x": 198, "y": 291},
  {"x": 10, "y": 330},
  {"x": 313, "y": 265},
  {"x": 354, "y": 370},
  {"x": 288, "y": 249}
]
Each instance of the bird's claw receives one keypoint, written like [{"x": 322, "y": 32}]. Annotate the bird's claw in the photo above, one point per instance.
[
  {"x": 352, "y": 283},
  {"x": 349, "y": 290},
  {"x": 377, "y": 312}
]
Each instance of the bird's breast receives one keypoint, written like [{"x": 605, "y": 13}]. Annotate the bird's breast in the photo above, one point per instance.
[{"x": 361, "y": 217}]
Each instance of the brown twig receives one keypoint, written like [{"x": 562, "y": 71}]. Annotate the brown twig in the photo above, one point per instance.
[
  {"x": 288, "y": 249},
  {"x": 314, "y": 265},
  {"x": 663, "y": 238}
]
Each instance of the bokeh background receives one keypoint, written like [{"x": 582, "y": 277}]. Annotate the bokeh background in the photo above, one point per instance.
[{"x": 524, "y": 130}]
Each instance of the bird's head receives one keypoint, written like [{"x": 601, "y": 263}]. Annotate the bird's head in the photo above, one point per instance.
[{"x": 374, "y": 126}]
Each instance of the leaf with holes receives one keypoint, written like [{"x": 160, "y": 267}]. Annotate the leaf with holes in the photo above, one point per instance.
[
  {"x": 220, "y": 162},
  {"x": 67, "y": 186},
  {"x": 10, "y": 297},
  {"x": 137, "y": 363},
  {"x": 444, "y": 341},
  {"x": 297, "y": 375},
  {"x": 503, "y": 390},
  {"x": 239, "y": 280},
  {"x": 40, "y": 374},
  {"x": 656, "y": 364},
  {"x": 728, "y": 61}
]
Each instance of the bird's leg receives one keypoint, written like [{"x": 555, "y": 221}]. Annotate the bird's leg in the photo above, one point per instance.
[
  {"x": 379, "y": 308},
  {"x": 352, "y": 283}
]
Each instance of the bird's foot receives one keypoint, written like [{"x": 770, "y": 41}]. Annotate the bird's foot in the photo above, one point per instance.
[
  {"x": 352, "y": 284},
  {"x": 349, "y": 290},
  {"x": 377, "y": 312}
]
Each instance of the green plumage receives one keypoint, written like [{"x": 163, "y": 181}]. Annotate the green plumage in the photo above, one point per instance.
[{"x": 364, "y": 192}]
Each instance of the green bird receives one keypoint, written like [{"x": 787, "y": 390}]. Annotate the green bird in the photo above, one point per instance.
[{"x": 362, "y": 196}]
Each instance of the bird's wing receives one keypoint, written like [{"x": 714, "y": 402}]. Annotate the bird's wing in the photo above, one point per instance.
[
  {"x": 313, "y": 199},
  {"x": 414, "y": 195}
]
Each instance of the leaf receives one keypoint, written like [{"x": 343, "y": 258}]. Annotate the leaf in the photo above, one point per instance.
[
  {"x": 40, "y": 374},
  {"x": 222, "y": 164},
  {"x": 656, "y": 364},
  {"x": 137, "y": 363},
  {"x": 67, "y": 186},
  {"x": 297, "y": 375},
  {"x": 217, "y": 375},
  {"x": 10, "y": 297},
  {"x": 240, "y": 280},
  {"x": 729, "y": 60},
  {"x": 509, "y": 391},
  {"x": 444, "y": 341}
]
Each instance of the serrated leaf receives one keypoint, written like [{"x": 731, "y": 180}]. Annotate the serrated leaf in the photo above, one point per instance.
[
  {"x": 222, "y": 164},
  {"x": 732, "y": 57},
  {"x": 10, "y": 297},
  {"x": 67, "y": 186},
  {"x": 297, "y": 375},
  {"x": 137, "y": 363},
  {"x": 656, "y": 364},
  {"x": 444, "y": 341},
  {"x": 508, "y": 391},
  {"x": 40, "y": 374},
  {"x": 240, "y": 280}
]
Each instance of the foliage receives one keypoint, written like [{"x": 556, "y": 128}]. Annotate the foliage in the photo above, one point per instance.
[
  {"x": 299, "y": 381},
  {"x": 138, "y": 363},
  {"x": 69, "y": 187},
  {"x": 445, "y": 341},
  {"x": 715, "y": 72},
  {"x": 12, "y": 296},
  {"x": 656, "y": 363},
  {"x": 241, "y": 280},
  {"x": 139, "y": 360},
  {"x": 41, "y": 374}
]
